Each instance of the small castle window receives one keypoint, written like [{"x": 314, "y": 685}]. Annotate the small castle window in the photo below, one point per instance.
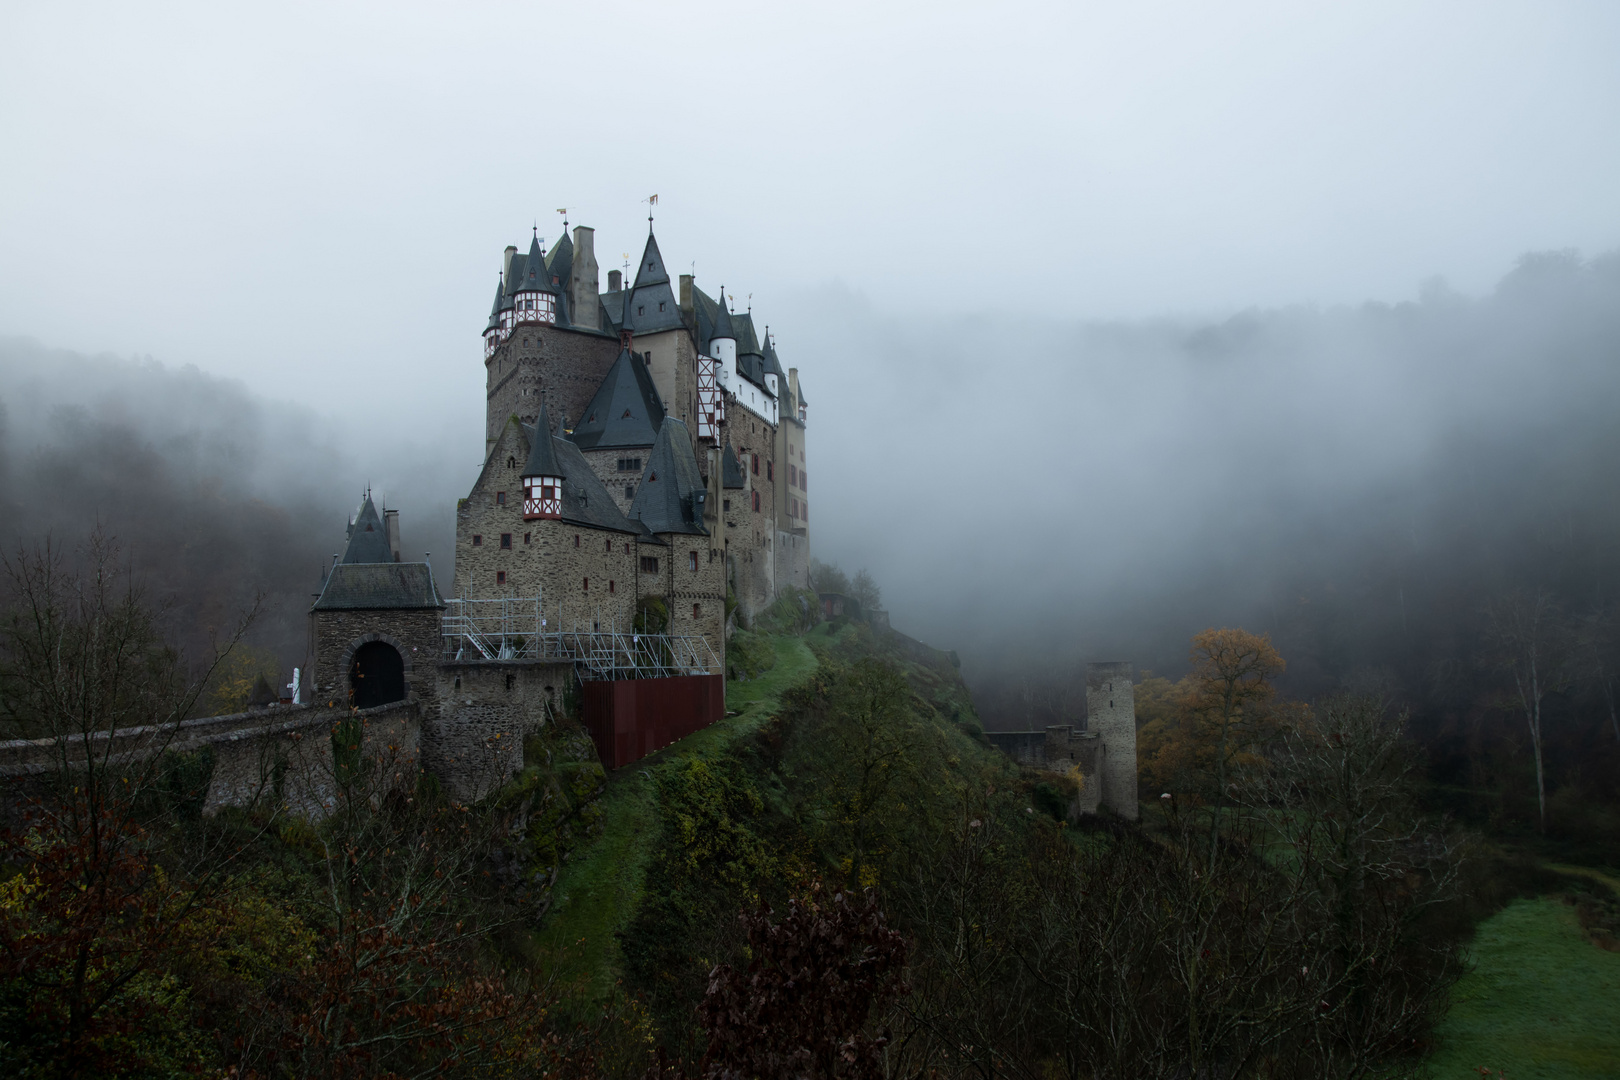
[
  {"x": 691, "y": 560},
  {"x": 511, "y": 463},
  {"x": 610, "y": 584},
  {"x": 500, "y": 498},
  {"x": 696, "y": 610},
  {"x": 660, "y": 305},
  {"x": 725, "y": 504},
  {"x": 629, "y": 491},
  {"x": 500, "y": 577},
  {"x": 576, "y": 539},
  {"x": 649, "y": 564},
  {"x": 587, "y": 587},
  {"x": 756, "y": 500},
  {"x": 641, "y": 309},
  {"x": 770, "y": 471},
  {"x": 478, "y": 541},
  {"x": 610, "y": 547},
  {"x": 755, "y": 461},
  {"x": 525, "y": 538},
  {"x": 506, "y": 541}
]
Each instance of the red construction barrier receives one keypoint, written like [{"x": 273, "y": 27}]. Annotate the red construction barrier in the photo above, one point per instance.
[{"x": 632, "y": 718}]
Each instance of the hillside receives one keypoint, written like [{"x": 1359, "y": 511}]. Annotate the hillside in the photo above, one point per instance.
[{"x": 755, "y": 805}]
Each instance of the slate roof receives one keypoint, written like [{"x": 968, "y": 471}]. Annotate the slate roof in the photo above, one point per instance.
[
  {"x": 542, "y": 452},
  {"x": 626, "y": 410},
  {"x": 731, "y": 473},
  {"x": 495, "y": 308},
  {"x": 773, "y": 366},
  {"x": 368, "y": 540},
  {"x": 363, "y": 586},
  {"x": 651, "y": 305},
  {"x": 585, "y": 500},
  {"x": 747, "y": 339},
  {"x": 670, "y": 498},
  {"x": 535, "y": 277},
  {"x": 561, "y": 260}
]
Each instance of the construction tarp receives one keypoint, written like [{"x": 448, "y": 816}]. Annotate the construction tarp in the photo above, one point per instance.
[{"x": 631, "y": 718}]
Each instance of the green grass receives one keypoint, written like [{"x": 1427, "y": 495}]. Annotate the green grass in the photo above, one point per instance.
[
  {"x": 1540, "y": 1003},
  {"x": 600, "y": 886}
]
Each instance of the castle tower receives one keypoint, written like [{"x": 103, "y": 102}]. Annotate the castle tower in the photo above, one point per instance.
[
  {"x": 1111, "y": 716},
  {"x": 542, "y": 475},
  {"x": 534, "y": 300}
]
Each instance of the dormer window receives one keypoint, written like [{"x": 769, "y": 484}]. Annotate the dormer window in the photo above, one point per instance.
[{"x": 641, "y": 309}]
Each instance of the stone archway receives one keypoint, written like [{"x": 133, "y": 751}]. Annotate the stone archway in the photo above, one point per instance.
[{"x": 376, "y": 675}]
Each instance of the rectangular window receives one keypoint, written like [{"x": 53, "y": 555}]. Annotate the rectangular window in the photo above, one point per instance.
[
  {"x": 525, "y": 538},
  {"x": 478, "y": 541},
  {"x": 610, "y": 546},
  {"x": 756, "y": 500},
  {"x": 770, "y": 471},
  {"x": 576, "y": 539},
  {"x": 691, "y": 560},
  {"x": 630, "y": 491},
  {"x": 500, "y": 498},
  {"x": 793, "y": 476},
  {"x": 610, "y": 584},
  {"x": 587, "y": 587},
  {"x": 725, "y": 504},
  {"x": 500, "y": 577},
  {"x": 506, "y": 541},
  {"x": 649, "y": 564},
  {"x": 755, "y": 458},
  {"x": 696, "y": 610}
]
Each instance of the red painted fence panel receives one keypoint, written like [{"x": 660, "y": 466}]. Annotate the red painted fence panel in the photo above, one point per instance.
[{"x": 632, "y": 718}]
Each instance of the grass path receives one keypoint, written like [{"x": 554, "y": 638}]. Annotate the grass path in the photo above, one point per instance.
[
  {"x": 1541, "y": 1003},
  {"x": 599, "y": 887}
]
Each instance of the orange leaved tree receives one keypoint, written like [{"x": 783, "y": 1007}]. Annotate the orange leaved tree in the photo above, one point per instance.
[{"x": 1229, "y": 706}]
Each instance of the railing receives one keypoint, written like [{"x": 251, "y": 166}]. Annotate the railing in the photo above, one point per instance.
[{"x": 517, "y": 629}]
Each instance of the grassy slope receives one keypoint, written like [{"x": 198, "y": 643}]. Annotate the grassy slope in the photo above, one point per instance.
[
  {"x": 1541, "y": 1001},
  {"x": 599, "y": 887}
]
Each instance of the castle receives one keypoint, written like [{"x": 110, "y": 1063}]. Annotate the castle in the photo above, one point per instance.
[{"x": 644, "y": 483}]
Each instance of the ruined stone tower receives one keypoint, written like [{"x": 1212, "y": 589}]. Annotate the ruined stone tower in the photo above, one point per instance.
[{"x": 1111, "y": 716}]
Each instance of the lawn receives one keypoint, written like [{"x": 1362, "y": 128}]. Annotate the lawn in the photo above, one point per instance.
[
  {"x": 599, "y": 887},
  {"x": 1540, "y": 1003}
]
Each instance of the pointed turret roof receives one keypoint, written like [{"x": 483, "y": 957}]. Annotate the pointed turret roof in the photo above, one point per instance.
[
  {"x": 773, "y": 366},
  {"x": 495, "y": 308},
  {"x": 542, "y": 455},
  {"x": 626, "y": 411},
  {"x": 670, "y": 498},
  {"x": 535, "y": 277},
  {"x": 650, "y": 271},
  {"x": 561, "y": 260},
  {"x": 722, "y": 319},
  {"x": 368, "y": 541},
  {"x": 747, "y": 339},
  {"x": 731, "y": 473}
]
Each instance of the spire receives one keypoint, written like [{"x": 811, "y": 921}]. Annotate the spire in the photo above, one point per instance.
[
  {"x": 368, "y": 542},
  {"x": 722, "y": 320},
  {"x": 542, "y": 455},
  {"x": 536, "y": 278},
  {"x": 650, "y": 271},
  {"x": 495, "y": 308}
]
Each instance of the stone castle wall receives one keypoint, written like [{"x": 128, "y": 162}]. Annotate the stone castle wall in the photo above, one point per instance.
[
  {"x": 414, "y": 634},
  {"x": 539, "y": 363},
  {"x": 486, "y": 708}
]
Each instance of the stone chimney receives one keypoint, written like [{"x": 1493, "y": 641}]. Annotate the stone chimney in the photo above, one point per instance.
[
  {"x": 615, "y": 281},
  {"x": 686, "y": 292},
  {"x": 584, "y": 285},
  {"x": 391, "y": 530},
  {"x": 506, "y": 267}
]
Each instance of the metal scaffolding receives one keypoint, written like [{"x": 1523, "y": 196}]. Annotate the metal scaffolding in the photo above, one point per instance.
[{"x": 517, "y": 629}]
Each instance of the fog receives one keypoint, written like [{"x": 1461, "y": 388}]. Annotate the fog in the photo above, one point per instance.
[{"x": 1114, "y": 323}]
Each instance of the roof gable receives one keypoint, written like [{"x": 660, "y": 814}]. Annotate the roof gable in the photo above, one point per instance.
[
  {"x": 626, "y": 410},
  {"x": 368, "y": 541},
  {"x": 373, "y": 586},
  {"x": 670, "y": 498}
]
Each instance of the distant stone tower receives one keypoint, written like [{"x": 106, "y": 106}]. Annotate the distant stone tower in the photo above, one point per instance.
[{"x": 1111, "y": 716}]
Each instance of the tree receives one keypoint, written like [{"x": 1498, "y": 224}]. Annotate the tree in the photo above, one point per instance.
[
  {"x": 1530, "y": 640},
  {"x": 803, "y": 1007},
  {"x": 1229, "y": 703},
  {"x": 112, "y": 870},
  {"x": 865, "y": 591}
]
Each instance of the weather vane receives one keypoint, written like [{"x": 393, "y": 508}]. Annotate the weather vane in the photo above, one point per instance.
[
  {"x": 563, "y": 210},
  {"x": 651, "y": 201}
]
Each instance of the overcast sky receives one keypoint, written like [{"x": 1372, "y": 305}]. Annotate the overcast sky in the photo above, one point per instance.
[
  {"x": 925, "y": 202},
  {"x": 307, "y": 195}
]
